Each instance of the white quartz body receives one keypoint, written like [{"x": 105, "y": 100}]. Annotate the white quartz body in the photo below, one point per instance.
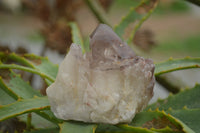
[{"x": 95, "y": 95}]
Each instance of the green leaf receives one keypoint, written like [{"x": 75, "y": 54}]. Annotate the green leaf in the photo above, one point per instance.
[
  {"x": 126, "y": 20},
  {"x": 32, "y": 63},
  {"x": 77, "y": 127},
  {"x": 189, "y": 116},
  {"x": 132, "y": 129},
  {"x": 189, "y": 98},
  {"x": 7, "y": 57},
  {"x": 5, "y": 98},
  {"x": 76, "y": 35},
  {"x": 101, "y": 128},
  {"x": 132, "y": 16},
  {"x": 159, "y": 121},
  {"x": 177, "y": 105},
  {"x": 23, "y": 106},
  {"x": 8, "y": 91},
  {"x": 49, "y": 115},
  {"x": 18, "y": 86},
  {"x": 46, "y": 130},
  {"x": 176, "y": 64},
  {"x": 142, "y": 20},
  {"x": 31, "y": 70},
  {"x": 37, "y": 121},
  {"x": 42, "y": 64},
  {"x": 121, "y": 128}
]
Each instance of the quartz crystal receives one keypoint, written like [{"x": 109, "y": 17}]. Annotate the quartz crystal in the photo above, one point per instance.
[{"x": 109, "y": 84}]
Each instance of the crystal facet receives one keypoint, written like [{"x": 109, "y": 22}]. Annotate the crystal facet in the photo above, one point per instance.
[{"x": 110, "y": 84}]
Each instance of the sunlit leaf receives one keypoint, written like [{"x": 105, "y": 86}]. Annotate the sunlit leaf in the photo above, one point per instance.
[
  {"x": 176, "y": 64},
  {"x": 5, "y": 98},
  {"x": 189, "y": 116},
  {"x": 76, "y": 35},
  {"x": 121, "y": 128},
  {"x": 18, "y": 86},
  {"x": 159, "y": 121},
  {"x": 31, "y": 63},
  {"x": 77, "y": 127},
  {"x": 189, "y": 98},
  {"x": 23, "y": 106},
  {"x": 133, "y": 129}
]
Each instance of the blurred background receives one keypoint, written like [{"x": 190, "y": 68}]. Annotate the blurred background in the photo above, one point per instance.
[{"x": 40, "y": 27}]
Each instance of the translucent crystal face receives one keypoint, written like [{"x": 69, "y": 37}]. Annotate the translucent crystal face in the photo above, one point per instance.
[
  {"x": 110, "y": 84},
  {"x": 106, "y": 46}
]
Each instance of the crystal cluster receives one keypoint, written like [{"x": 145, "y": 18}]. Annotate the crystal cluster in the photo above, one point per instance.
[{"x": 109, "y": 84}]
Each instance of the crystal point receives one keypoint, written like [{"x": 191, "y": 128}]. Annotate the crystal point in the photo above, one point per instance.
[
  {"x": 110, "y": 84},
  {"x": 107, "y": 46}
]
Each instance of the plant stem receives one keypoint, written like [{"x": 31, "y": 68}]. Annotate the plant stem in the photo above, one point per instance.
[
  {"x": 28, "y": 124},
  {"x": 96, "y": 12}
]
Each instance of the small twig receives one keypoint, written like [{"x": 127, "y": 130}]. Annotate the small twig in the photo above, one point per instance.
[
  {"x": 28, "y": 124},
  {"x": 96, "y": 12},
  {"x": 196, "y": 2}
]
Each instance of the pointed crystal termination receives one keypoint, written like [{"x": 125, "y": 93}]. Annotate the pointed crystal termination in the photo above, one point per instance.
[
  {"x": 106, "y": 46},
  {"x": 110, "y": 84}
]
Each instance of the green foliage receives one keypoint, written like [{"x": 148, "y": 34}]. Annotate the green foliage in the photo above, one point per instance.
[
  {"x": 76, "y": 36},
  {"x": 184, "y": 106},
  {"x": 131, "y": 17},
  {"x": 13, "y": 85},
  {"x": 121, "y": 128},
  {"x": 189, "y": 98},
  {"x": 18, "y": 86},
  {"x": 177, "y": 64},
  {"x": 31, "y": 63},
  {"x": 133, "y": 129},
  {"x": 180, "y": 113},
  {"x": 77, "y": 127},
  {"x": 189, "y": 116},
  {"x": 5, "y": 98},
  {"x": 47, "y": 130},
  {"x": 159, "y": 121},
  {"x": 23, "y": 106},
  {"x": 19, "y": 89}
]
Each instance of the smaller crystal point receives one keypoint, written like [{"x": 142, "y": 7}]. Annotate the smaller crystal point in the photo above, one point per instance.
[
  {"x": 110, "y": 84},
  {"x": 107, "y": 46}
]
